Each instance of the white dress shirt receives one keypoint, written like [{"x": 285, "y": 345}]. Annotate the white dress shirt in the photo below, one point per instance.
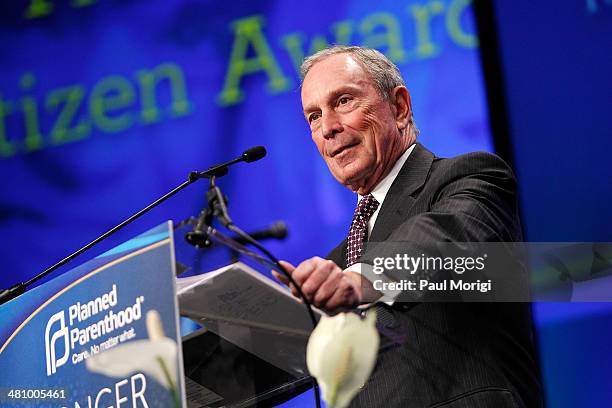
[{"x": 380, "y": 192}]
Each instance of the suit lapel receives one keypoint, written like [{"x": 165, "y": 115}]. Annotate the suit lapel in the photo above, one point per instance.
[{"x": 399, "y": 199}]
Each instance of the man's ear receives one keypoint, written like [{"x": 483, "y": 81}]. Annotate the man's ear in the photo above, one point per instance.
[{"x": 401, "y": 105}]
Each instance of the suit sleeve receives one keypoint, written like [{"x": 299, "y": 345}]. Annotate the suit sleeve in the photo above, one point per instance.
[{"x": 475, "y": 201}]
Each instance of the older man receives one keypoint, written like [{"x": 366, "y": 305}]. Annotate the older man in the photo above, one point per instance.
[{"x": 443, "y": 355}]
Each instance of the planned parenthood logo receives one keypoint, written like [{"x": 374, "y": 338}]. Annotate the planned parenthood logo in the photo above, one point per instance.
[
  {"x": 59, "y": 336},
  {"x": 88, "y": 328}
]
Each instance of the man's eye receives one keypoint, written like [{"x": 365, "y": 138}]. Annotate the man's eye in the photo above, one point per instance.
[
  {"x": 313, "y": 117},
  {"x": 344, "y": 100}
]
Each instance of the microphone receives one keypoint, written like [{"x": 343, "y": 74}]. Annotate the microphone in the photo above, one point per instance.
[
  {"x": 254, "y": 154},
  {"x": 217, "y": 201},
  {"x": 248, "y": 156},
  {"x": 276, "y": 230}
]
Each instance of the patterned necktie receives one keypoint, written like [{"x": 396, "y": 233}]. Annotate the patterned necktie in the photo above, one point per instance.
[{"x": 359, "y": 228}]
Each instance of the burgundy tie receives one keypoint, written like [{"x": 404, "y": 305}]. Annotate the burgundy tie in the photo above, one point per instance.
[{"x": 359, "y": 228}]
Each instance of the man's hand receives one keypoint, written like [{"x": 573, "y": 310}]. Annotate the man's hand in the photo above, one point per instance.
[{"x": 324, "y": 284}]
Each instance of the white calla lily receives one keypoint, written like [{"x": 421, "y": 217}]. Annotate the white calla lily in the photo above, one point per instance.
[
  {"x": 137, "y": 355},
  {"x": 341, "y": 355},
  {"x": 155, "y": 357}
]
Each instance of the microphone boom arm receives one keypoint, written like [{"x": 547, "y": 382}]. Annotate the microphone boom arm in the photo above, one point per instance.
[{"x": 249, "y": 155}]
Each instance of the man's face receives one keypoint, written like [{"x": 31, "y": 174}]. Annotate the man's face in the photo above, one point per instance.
[{"x": 353, "y": 127}]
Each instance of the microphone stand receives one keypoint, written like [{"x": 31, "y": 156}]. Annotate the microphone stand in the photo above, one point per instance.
[
  {"x": 20, "y": 288},
  {"x": 217, "y": 208},
  {"x": 220, "y": 170}
]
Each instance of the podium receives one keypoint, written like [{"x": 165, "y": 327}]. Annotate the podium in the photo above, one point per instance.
[{"x": 110, "y": 333}]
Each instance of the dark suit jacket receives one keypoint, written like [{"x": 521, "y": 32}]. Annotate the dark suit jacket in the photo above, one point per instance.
[{"x": 467, "y": 355}]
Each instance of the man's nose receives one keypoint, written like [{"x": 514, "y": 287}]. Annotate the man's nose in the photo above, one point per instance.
[{"x": 330, "y": 124}]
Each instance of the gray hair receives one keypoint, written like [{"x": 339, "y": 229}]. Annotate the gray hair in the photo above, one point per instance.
[{"x": 384, "y": 73}]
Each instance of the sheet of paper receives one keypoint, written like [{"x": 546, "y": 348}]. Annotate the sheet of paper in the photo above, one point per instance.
[{"x": 251, "y": 311}]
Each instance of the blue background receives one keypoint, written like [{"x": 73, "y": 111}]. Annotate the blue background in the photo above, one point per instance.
[
  {"x": 555, "y": 70},
  {"x": 58, "y": 196}
]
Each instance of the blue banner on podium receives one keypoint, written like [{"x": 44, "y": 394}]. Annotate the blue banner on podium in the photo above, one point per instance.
[{"x": 103, "y": 334}]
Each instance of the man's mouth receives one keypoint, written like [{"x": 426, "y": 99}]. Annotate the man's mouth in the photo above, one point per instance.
[{"x": 342, "y": 149}]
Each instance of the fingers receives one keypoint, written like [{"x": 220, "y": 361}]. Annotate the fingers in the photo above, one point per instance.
[
  {"x": 309, "y": 276},
  {"x": 323, "y": 283},
  {"x": 319, "y": 271},
  {"x": 346, "y": 296},
  {"x": 303, "y": 270},
  {"x": 289, "y": 267},
  {"x": 280, "y": 277},
  {"x": 327, "y": 289},
  {"x": 284, "y": 279}
]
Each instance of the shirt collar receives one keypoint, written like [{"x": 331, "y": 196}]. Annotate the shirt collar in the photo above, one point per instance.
[{"x": 382, "y": 188}]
